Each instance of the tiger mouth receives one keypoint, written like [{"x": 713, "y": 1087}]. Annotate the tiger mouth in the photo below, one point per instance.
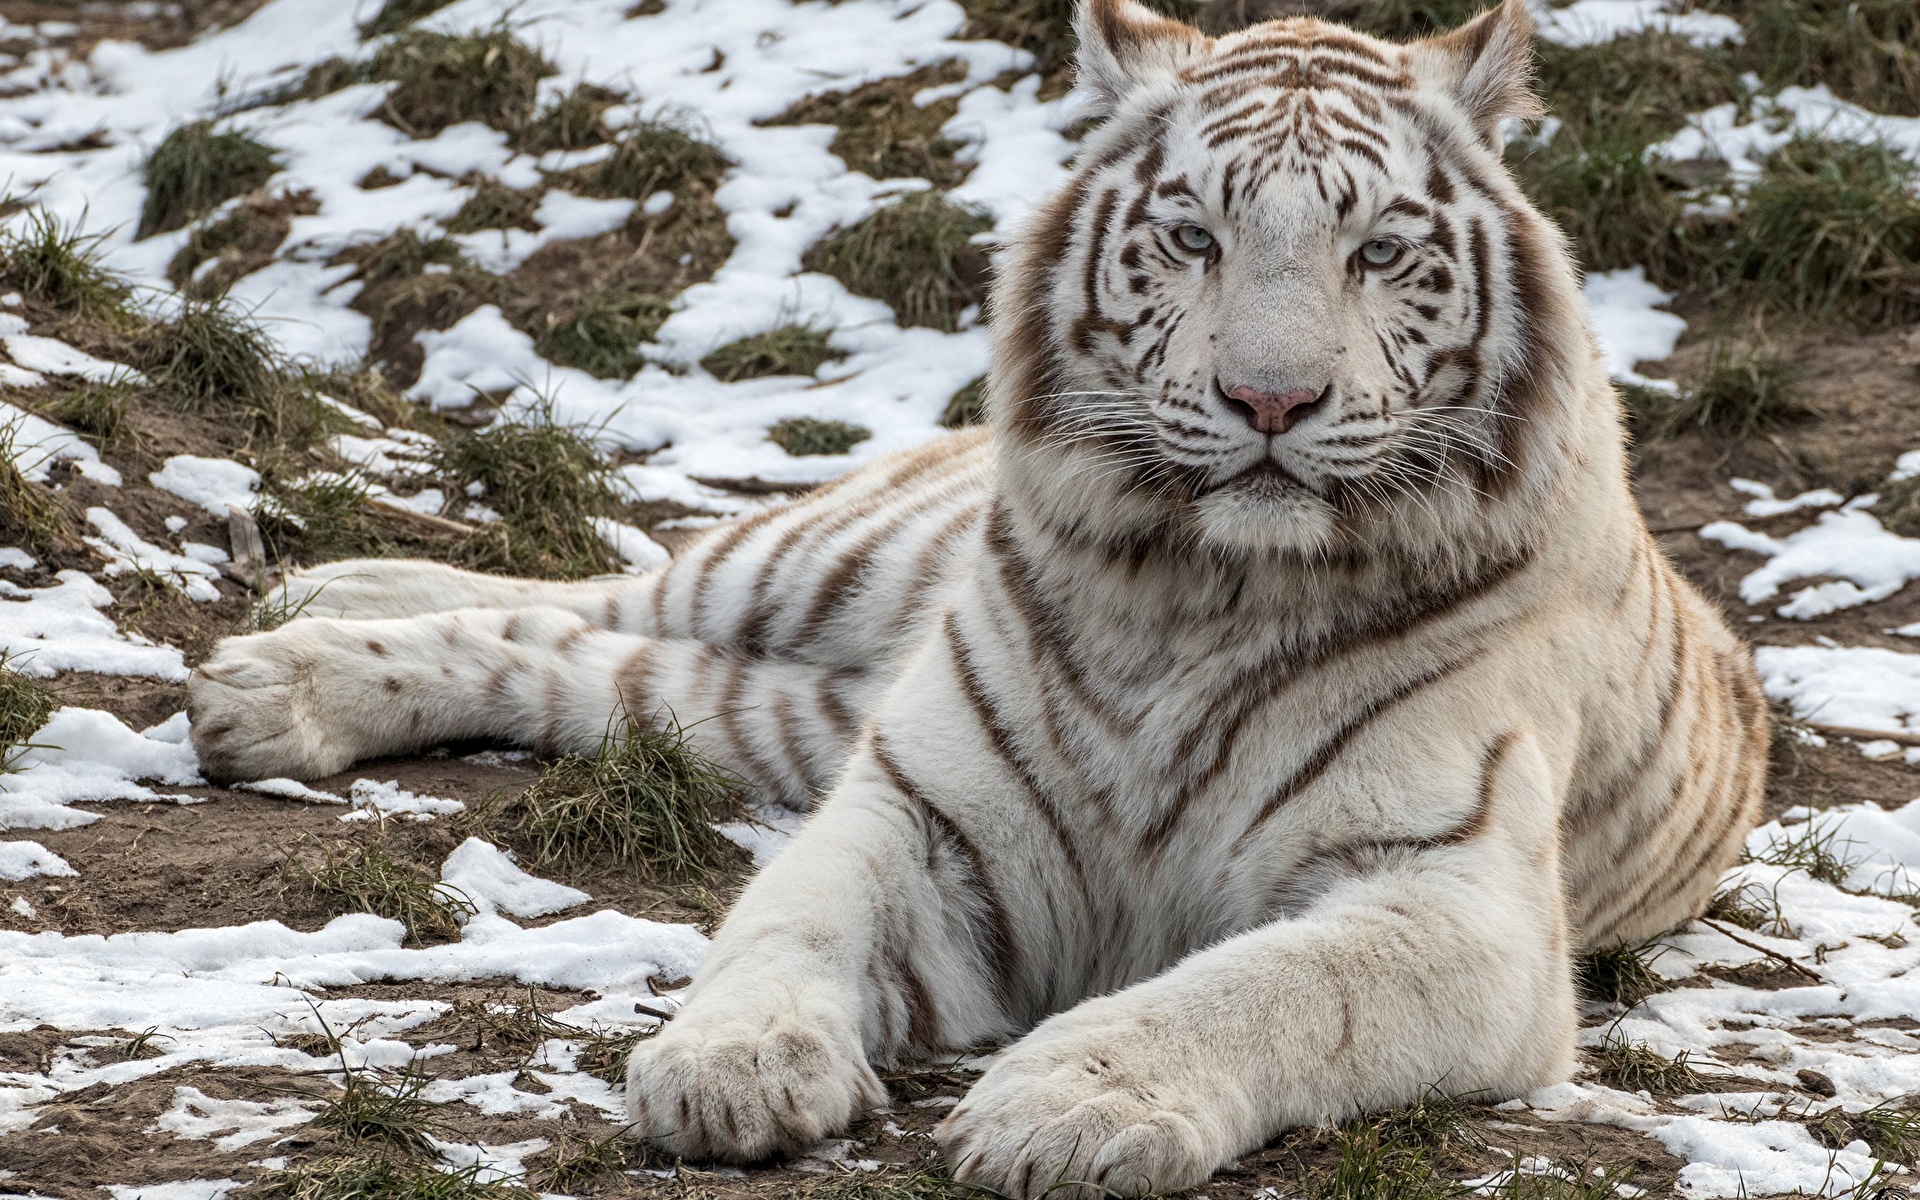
[{"x": 1265, "y": 478}]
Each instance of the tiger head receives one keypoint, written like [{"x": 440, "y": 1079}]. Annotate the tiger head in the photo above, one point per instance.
[{"x": 1291, "y": 298}]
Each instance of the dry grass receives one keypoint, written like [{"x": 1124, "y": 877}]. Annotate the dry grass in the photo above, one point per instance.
[
  {"x": 32, "y": 514},
  {"x": 916, "y": 253},
  {"x": 547, "y": 482},
  {"x": 809, "y": 435},
  {"x": 236, "y": 244},
  {"x": 410, "y": 283},
  {"x": 494, "y": 205},
  {"x": 968, "y": 406},
  {"x": 788, "y": 350},
  {"x": 568, "y": 122},
  {"x": 665, "y": 153},
  {"x": 441, "y": 79},
  {"x": 883, "y": 134},
  {"x": 1830, "y": 230},
  {"x": 395, "y": 15},
  {"x": 1867, "y": 51},
  {"x": 371, "y": 880},
  {"x": 1621, "y": 974},
  {"x": 1898, "y": 506},
  {"x": 378, "y": 1176},
  {"x": 196, "y": 168},
  {"x": 1634, "y": 1067},
  {"x": 25, "y": 705},
  {"x": 57, "y": 265},
  {"x": 601, "y": 331},
  {"x": 98, "y": 411},
  {"x": 645, "y": 796},
  {"x": 1740, "y": 391}
]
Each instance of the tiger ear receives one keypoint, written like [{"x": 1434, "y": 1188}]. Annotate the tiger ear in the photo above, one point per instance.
[
  {"x": 1486, "y": 65},
  {"x": 1125, "y": 45}
]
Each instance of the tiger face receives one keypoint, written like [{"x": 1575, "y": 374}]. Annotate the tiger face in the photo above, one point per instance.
[{"x": 1291, "y": 284}]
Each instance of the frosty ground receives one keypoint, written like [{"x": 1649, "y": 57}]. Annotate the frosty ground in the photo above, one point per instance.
[{"x": 413, "y": 278}]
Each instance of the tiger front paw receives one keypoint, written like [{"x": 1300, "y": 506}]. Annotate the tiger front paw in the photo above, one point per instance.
[
  {"x": 268, "y": 706},
  {"x": 1079, "y": 1114},
  {"x": 748, "y": 1086}
]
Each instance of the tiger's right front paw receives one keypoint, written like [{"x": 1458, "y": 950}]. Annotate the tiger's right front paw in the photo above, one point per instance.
[
  {"x": 262, "y": 706},
  {"x": 741, "y": 1088}
]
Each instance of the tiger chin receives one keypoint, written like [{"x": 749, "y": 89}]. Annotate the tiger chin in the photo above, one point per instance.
[{"x": 1247, "y": 732}]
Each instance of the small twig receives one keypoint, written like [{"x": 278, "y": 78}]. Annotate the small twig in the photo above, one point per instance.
[
  {"x": 395, "y": 510},
  {"x": 1689, "y": 527},
  {"x": 1791, "y": 965}
]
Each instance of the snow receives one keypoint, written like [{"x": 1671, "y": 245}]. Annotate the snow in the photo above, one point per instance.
[
  {"x": 182, "y": 1189},
  {"x": 1766, "y": 504},
  {"x": 1743, "y": 140},
  {"x": 1863, "y": 560},
  {"x": 1859, "y": 687},
  {"x": 23, "y": 860},
  {"x": 198, "y": 1116},
  {"x": 50, "y": 356},
  {"x": 35, "y": 444},
  {"x": 85, "y": 755},
  {"x": 61, "y": 628},
  {"x": 373, "y": 800},
  {"x": 218, "y": 485},
  {"x": 1625, "y": 310},
  {"x": 484, "y": 874},
  {"x": 1593, "y": 22},
  {"x": 126, "y": 551}
]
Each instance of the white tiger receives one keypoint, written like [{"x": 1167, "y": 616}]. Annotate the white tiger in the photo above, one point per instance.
[{"x": 1250, "y": 730}]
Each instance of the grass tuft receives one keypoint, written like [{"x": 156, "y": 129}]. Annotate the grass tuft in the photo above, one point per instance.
[
  {"x": 572, "y": 121},
  {"x": 371, "y": 1110},
  {"x": 1812, "y": 847},
  {"x": 494, "y": 205},
  {"x": 374, "y": 881},
  {"x": 1635, "y": 1067},
  {"x": 395, "y": 15},
  {"x": 25, "y": 705},
  {"x": 1749, "y": 906},
  {"x": 364, "y": 1176},
  {"x": 1740, "y": 392},
  {"x": 1867, "y": 51},
  {"x": 884, "y": 134},
  {"x": 59, "y": 266},
  {"x": 323, "y": 516},
  {"x": 968, "y": 406},
  {"x": 917, "y": 254},
  {"x": 215, "y": 358},
  {"x": 144, "y": 1044},
  {"x": 1830, "y": 229},
  {"x": 1891, "y": 1128},
  {"x": 576, "y": 1159},
  {"x": 662, "y": 154},
  {"x": 1621, "y": 974},
  {"x": 548, "y": 483},
  {"x": 644, "y": 796},
  {"x": 801, "y": 436},
  {"x": 32, "y": 515},
  {"x": 441, "y": 79},
  {"x": 601, "y": 332},
  {"x": 1898, "y": 506},
  {"x": 196, "y": 168},
  {"x": 788, "y": 350}
]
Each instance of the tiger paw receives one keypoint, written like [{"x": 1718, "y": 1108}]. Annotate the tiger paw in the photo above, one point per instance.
[
  {"x": 271, "y": 705},
  {"x": 743, "y": 1087},
  {"x": 1077, "y": 1115}
]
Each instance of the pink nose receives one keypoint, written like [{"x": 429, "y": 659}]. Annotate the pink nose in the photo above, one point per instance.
[{"x": 1270, "y": 412}]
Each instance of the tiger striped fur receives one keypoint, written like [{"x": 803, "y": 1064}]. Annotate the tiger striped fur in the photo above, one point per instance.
[{"x": 1250, "y": 729}]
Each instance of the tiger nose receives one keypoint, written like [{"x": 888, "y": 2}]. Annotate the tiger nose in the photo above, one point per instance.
[{"x": 1270, "y": 412}]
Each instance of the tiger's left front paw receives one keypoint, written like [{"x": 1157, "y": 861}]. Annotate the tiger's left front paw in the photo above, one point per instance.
[{"x": 1078, "y": 1114}]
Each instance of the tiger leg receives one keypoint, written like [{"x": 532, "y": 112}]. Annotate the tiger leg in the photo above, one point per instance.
[
  {"x": 1421, "y": 966},
  {"x": 315, "y": 696},
  {"x": 853, "y": 947},
  {"x": 375, "y": 588}
]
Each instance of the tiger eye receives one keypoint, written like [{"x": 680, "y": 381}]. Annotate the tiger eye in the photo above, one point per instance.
[
  {"x": 1380, "y": 252},
  {"x": 1194, "y": 238}
]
